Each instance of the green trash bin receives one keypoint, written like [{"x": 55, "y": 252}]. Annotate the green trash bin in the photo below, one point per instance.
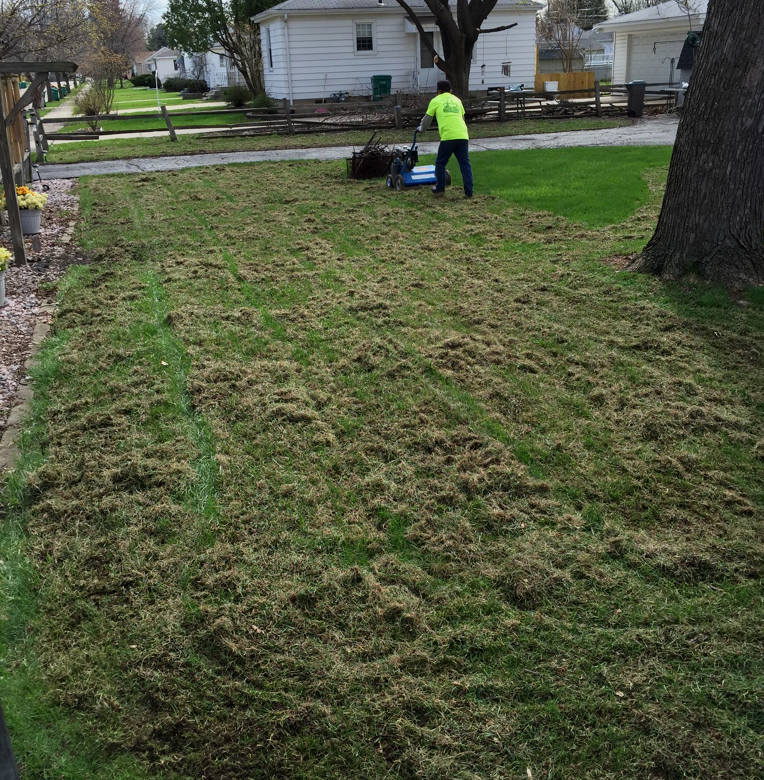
[
  {"x": 380, "y": 86},
  {"x": 54, "y": 93}
]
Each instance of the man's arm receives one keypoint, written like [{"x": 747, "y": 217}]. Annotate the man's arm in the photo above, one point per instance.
[
  {"x": 425, "y": 123},
  {"x": 427, "y": 118}
]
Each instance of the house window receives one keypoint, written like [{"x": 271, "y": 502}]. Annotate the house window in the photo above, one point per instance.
[
  {"x": 268, "y": 46},
  {"x": 221, "y": 60},
  {"x": 425, "y": 55},
  {"x": 364, "y": 40}
]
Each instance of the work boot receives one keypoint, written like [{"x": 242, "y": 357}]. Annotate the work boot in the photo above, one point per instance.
[{"x": 438, "y": 193}]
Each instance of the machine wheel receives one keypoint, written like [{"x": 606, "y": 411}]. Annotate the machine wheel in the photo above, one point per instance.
[
  {"x": 389, "y": 181},
  {"x": 398, "y": 183},
  {"x": 448, "y": 178}
]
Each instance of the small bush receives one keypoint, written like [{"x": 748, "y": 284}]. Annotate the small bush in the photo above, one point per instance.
[
  {"x": 196, "y": 85},
  {"x": 190, "y": 85},
  {"x": 263, "y": 101},
  {"x": 90, "y": 103},
  {"x": 237, "y": 96},
  {"x": 145, "y": 80}
]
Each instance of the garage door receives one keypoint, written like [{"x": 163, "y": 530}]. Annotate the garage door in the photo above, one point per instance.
[{"x": 650, "y": 55}]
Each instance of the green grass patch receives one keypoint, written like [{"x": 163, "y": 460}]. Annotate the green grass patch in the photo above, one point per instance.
[
  {"x": 593, "y": 186},
  {"x": 118, "y": 148},
  {"x": 143, "y": 97},
  {"x": 398, "y": 487},
  {"x": 147, "y": 123}
]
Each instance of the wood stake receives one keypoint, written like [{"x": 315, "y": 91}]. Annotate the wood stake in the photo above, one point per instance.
[{"x": 168, "y": 122}]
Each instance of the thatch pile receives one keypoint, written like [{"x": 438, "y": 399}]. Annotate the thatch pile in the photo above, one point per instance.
[{"x": 372, "y": 161}]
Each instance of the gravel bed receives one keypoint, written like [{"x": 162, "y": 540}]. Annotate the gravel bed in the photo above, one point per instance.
[{"x": 29, "y": 288}]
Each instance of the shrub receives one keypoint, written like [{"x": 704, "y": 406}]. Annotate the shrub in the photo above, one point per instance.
[
  {"x": 145, "y": 80},
  {"x": 197, "y": 85},
  {"x": 237, "y": 96},
  {"x": 263, "y": 101},
  {"x": 190, "y": 85},
  {"x": 90, "y": 103}
]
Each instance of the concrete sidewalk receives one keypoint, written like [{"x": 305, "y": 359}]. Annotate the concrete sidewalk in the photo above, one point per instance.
[{"x": 656, "y": 131}]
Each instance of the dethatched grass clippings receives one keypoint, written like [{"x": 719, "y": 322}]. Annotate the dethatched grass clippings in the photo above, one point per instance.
[{"x": 393, "y": 488}]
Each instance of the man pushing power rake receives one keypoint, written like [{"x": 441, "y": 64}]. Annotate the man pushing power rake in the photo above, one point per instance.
[{"x": 448, "y": 110}]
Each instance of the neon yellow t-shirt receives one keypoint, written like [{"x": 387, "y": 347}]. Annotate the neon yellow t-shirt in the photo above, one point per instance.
[{"x": 449, "y": 112}]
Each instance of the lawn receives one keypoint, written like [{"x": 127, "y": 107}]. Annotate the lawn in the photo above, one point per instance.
[
  {"x": 118, "y": 148},
  {"x": 143, "y": 97},
  {"x": 324, "y": 480},
  {"x": 131, "y": 125}
]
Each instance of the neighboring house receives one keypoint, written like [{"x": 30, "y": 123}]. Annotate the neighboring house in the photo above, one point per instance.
[
  {"x": 140, "y": 65},
  {"x": 597, "y": 48},
  {"x": 167, "y": 63},
  {"x": 215, "y": 67},
  {"x": 648, "y": 43},
  {"x": 593, "y": 52},
  {"x": 314, "y": 48},
  {"x": 550, "y": 60}
]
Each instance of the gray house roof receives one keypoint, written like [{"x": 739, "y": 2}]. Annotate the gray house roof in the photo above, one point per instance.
[
  {"x": 164, "y": 53},
  {"x": 656, "y": 16},
  {"x": 296, "y": 6}
]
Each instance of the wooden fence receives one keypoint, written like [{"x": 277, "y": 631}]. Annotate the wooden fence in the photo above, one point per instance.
[
  {"x": 18, "y": 138},
  {"x": 498, "y": 105},
  {"x": 582, "y": 80}
]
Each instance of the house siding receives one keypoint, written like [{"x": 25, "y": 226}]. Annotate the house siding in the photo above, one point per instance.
[
  {"x": 216, "y": 74},
  {"x": 650, "y": 54},
  {"x": 276, "y": 78},
  {"x": 620, "y": 57},
  {"x": 517, "y": 46},
  {"x": 324, "y": 60}
]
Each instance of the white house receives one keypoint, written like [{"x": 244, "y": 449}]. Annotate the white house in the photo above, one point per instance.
[
  {"x": 166, "y": 62},
  {"x": 313, "y": 48},
  {"x": 648, "y": 42},
  {"x": 214, "y": 66}
]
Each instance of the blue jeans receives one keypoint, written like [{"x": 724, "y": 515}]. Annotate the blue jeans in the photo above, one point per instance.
[{"x": 460, "y": 150}]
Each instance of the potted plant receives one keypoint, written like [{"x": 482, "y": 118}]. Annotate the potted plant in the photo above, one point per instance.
[
  {"x": 31, "y": 204},
  {"x": 5, "y": 256}
]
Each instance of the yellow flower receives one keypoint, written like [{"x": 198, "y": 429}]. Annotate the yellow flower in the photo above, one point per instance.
[
  {"x": 5, "y": 256},
  {"x": 27, "y": 198}
]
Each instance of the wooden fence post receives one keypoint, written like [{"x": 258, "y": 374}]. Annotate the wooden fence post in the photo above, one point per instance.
[
  {"x": 36, "y": 127},
  {"x": 9, "y": 185},
  {"x": 502, "y": 104},
  {"x": 168, "y": 122},
  {"x": 398, "y": 120},
  {"x": 287, "y": 114},
  {"x": 597, "y": 101}
]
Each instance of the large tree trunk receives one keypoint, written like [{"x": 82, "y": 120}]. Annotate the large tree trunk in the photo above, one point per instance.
[{"x": 712, "y": 219}]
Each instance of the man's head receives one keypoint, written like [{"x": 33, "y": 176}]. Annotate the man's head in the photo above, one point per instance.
[{"x": 444, "y": 86}]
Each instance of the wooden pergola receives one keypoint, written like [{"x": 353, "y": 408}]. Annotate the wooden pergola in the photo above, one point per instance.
[{"x": 12, "y": 103}]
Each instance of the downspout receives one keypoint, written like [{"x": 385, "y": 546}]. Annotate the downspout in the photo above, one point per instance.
[{"x": 288, "y": 59}]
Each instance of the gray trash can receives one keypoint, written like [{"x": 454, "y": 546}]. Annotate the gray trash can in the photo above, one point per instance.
[{"x": 636, "y": 102}]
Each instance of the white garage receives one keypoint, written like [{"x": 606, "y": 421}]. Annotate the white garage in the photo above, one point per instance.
[{"x": 647, "y": 41}]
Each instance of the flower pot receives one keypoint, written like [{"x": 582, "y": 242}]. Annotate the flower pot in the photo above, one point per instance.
[
  {"x": 3, "y": 302},
  {"x": 30, "y": 221}
]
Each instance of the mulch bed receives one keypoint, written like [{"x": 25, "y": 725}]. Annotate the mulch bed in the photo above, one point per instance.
[{"x": 29, "y": 287}]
